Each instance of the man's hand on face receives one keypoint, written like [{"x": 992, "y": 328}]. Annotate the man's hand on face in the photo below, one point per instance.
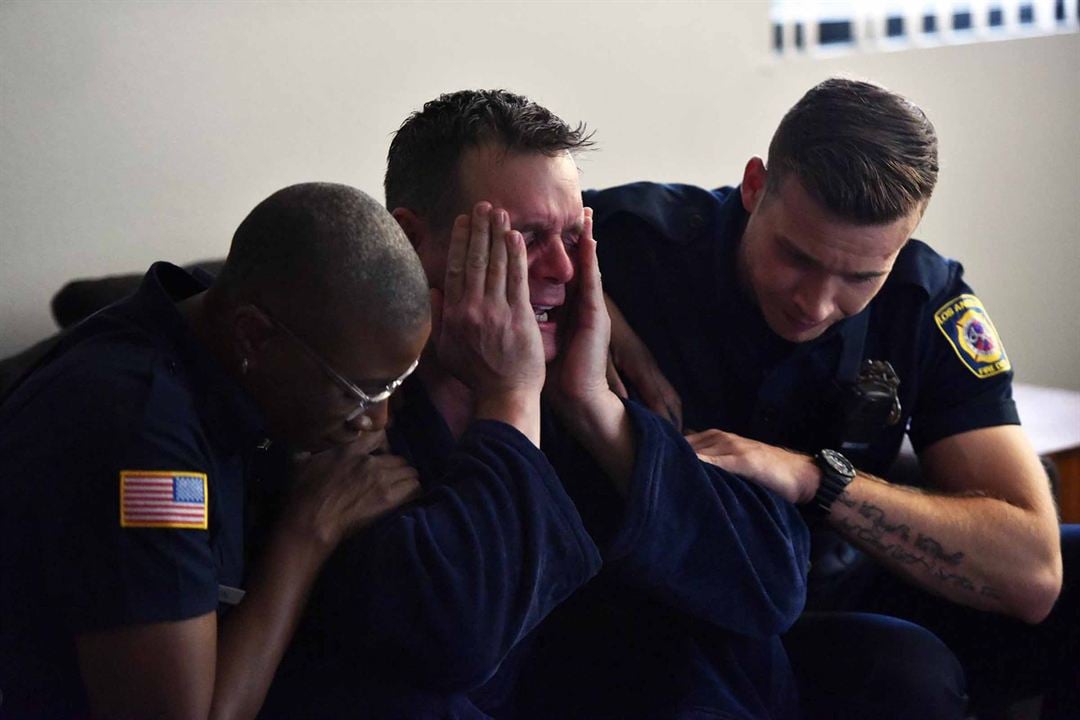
[
  {"x": 578, "y": 378},
  {"x": 579, "y": 374},
  {"x": 343, "y": 489},
  {"x": 484, "y": 328},
  {"x": 790, "y": 475}
]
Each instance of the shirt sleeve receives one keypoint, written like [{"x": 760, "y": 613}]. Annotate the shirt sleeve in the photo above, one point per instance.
[
  {"x": 447, "y": 587},
  {"x": 124, "y": 429},
  {"x": 704, "y": 541},
  {"x": 966, "y": 376}
]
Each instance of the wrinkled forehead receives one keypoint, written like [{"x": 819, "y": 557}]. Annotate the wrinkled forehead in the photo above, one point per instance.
[{"x": 536, "y": 189}]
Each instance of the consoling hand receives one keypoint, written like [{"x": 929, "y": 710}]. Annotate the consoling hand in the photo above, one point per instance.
[{"x": 790, "y": 475}]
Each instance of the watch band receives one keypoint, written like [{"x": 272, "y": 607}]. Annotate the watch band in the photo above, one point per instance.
[{"x": 837, "y": 472}]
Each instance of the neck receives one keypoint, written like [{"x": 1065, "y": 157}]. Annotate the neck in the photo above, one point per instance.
[
  {"x": 451, "y": 397},
  {"x": 206, "y": 332},
  {"x": 741, "y": 273}
]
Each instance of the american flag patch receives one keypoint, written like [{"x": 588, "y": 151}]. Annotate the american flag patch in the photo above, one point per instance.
[{"x": 163, "y": 499}]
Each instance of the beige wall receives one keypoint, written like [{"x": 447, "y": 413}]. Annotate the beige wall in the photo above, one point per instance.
[{"x": 136, "y": 131}]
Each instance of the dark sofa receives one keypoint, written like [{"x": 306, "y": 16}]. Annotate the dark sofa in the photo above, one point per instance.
[{"x": 76, "y": 300}]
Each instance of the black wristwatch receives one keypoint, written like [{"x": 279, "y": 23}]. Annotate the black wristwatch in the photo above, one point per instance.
[{"x": 837, "y": 472}]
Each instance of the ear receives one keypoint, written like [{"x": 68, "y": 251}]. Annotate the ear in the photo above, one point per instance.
[
  {"x": 753, "y": 184},
  {"x": 432, "y": 249},
  {"x": 415, "y": 227},
  {"x": 251, "y": 331}
]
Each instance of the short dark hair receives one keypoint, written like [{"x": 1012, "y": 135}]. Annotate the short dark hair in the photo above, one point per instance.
[
  {"x": 865, "y": 153},
  {"x": 316, "y": 254},
  {"x": 422, "y": 165}
]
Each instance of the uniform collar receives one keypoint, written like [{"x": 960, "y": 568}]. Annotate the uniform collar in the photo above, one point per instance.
[{"x": 229, "y": 411}]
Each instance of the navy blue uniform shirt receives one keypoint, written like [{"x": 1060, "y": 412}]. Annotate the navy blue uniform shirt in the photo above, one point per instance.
[
  {"x": 668, "y": 256},
  {"x": 668, "y": 253},
  {"x": 122, "y": 464}
]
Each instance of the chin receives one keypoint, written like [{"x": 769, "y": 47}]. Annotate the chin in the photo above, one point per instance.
[
  {"x": 779, "y": 322},
  {"x": 793, "y": 334},
  {"x": 797, "y": 335}
]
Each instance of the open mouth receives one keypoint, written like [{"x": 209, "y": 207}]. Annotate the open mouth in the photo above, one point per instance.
[{"x": 542, "y": 312}]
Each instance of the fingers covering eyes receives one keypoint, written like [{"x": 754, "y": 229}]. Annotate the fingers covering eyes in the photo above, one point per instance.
[
  {"x": 476, "y": 261},
  {"x": 455, "y": 260},
  {"x": 496, "y": 270}
]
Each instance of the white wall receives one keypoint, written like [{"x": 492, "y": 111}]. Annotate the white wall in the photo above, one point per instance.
[{"x": 136, "y": 131}]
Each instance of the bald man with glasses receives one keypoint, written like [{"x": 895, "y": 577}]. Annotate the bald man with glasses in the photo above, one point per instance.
[{"x": 139, "y": 579}]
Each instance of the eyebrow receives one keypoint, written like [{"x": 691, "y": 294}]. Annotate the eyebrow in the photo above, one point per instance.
[
  {"x": 802, "y": 257},
  {"x": 577, "y": 227}
]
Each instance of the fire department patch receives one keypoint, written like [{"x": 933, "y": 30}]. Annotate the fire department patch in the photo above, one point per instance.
[{"x": 964, "y": 323}]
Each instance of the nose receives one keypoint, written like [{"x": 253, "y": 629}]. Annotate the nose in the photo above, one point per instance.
[
  {"x": 372, "y": 419},
  {"x": 814, "y": 298},
  {"x": 552, "y": 263}
]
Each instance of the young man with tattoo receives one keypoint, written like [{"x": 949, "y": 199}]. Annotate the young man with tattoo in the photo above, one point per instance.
[{"x": 806, "y": 333}]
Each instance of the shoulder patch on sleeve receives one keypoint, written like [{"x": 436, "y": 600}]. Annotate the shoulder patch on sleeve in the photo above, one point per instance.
[
  {"x": 163, "y": 499},
  {"x": 964, "y": 323}
]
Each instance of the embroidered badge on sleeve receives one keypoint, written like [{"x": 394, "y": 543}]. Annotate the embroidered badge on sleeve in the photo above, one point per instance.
[
  {"x": 163, "y": 499},
  {"x": 967, "y": 327}
]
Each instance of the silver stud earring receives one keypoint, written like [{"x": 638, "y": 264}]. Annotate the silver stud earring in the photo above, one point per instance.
[{"x": 243, "y": 366}]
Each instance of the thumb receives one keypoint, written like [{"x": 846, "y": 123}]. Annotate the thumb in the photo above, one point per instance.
[{"x": 615, "y": 382}]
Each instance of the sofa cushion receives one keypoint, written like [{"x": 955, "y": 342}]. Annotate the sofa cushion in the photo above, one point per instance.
[{"x": 81, "y": 298}]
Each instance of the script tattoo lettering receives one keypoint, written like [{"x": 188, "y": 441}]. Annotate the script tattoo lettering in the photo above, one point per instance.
[
  {"x": 958, "y": 580},
  {"x": 932, "y": 547},
  {"x": 894, "y": 541},
  {"x": 877, "y": 516}
]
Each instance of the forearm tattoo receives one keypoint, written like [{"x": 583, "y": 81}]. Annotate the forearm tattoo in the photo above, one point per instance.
[{"x": 906, "y": 546}]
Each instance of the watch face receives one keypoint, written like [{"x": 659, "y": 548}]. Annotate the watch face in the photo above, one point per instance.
[{"x": 838, "y": 463}]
